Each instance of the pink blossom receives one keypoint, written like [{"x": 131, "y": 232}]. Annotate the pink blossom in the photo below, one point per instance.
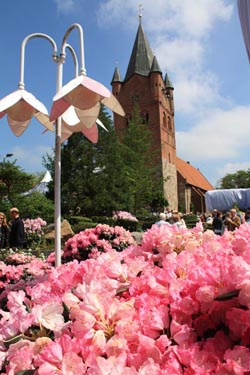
[
  {"x": 241, "y": 355},
  {"x": 49, "y": 315}
]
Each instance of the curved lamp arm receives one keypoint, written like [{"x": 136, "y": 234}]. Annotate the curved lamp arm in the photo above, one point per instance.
[
  {"x": 21, "y": 84},
  {"x": 72, "y": 51},
  {"x": 64, "y": 44}
]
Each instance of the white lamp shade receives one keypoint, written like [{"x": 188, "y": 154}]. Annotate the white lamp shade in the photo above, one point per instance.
[
  {"x": 20, "y": 106},
  {"x": 81, "y": 92}
]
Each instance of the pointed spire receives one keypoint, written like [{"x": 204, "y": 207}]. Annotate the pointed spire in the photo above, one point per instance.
[
  {"x": 142, "y": 56},
  {"x": 168, "y": 82},
  {"x": 116, "y": 76},
  {"x": 140, "y": 8},
  {"x": 155, "y": 67}
]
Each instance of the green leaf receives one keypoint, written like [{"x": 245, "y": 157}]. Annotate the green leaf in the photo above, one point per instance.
[
  {"x": 228, "y": 295},
  {"x": 25, "y": 372},
  {"x": 12, "y": 340},
  {"x": 122, "y": 288}
]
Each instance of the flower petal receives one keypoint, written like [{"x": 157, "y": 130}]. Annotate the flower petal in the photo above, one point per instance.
[
  {"x": 88, "y": 117},
  {"x": 44, "y": 120},
  {"x": 58, "y": 108},
  {"x": 31, "y": 99},
  {"x": 10, "y": 100},
  {"x": 101, "y": 124},
  {"x": 113, "y": 104},
  {"x": 18, "y": 127},
  {"x": 91, "y": 133},
  {"x": 71, "y": 85},
  {"x": 70, "y": 117},
  {"x": 65, "y": 134}
]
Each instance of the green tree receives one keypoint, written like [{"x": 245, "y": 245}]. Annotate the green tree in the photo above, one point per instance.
[
  {"x": 145, "y": 186},
  {"x": 13, "y": 182},
  {"x": 237, "y": 180},
  {"x": 15, "y": 187},
  {"x": 92, "y": 178},
  {"x": 117, "y": 173}
]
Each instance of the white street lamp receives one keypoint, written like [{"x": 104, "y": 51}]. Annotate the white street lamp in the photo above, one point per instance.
[{"x": 75, "y": 109}]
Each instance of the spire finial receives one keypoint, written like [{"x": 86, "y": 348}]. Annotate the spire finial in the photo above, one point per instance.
[{"x": 140, "y": 9}]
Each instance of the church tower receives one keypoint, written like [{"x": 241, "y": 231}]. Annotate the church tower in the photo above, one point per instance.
[{"x": 144, "y": 84}]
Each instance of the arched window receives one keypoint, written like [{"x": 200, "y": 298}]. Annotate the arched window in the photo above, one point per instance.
[
  {"x": 169, "y": 124},
  {"x": 145, "y": 117},
  {"x": 164, "y": 120}
]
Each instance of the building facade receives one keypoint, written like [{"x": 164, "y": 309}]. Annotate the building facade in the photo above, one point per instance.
[{"x": 145, "y": 85}]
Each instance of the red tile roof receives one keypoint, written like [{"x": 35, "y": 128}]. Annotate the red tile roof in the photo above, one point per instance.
[{"x": 192, "y": 175}]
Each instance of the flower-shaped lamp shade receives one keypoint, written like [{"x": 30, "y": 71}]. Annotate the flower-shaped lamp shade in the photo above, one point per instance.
[
  {"x": 20, "y": 106},
  {"x": 82, "y": 93},
  {"x": 90, "y": 133},
  {"x": 73, "y": 116}
]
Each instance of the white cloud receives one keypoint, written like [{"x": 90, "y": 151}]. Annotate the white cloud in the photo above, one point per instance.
[
  {"x": 65, "y": 6},
  {"x": 220, "y": 135},
  {"x": 196, "y": 93},
  {"x": 192, "y": 17},
  {"x": 230, "y": 168},
  {"x": 179, "y": 32}
]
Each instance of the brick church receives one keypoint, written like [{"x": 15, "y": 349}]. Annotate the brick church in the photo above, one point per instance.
[{"x": 184, "y": 186}]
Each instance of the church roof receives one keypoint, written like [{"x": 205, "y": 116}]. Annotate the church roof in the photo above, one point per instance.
[
  {"x": 142, "y": 56},
  {"x": 192, "y": 175},
  {"x": 155, "y": 67},
  {"x": 168, "y": 82},
  {"x": 116, "y": 76}
]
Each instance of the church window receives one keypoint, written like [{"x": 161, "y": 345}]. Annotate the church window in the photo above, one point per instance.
[
  {"x": 164, "y": 120},
  {"x": 145, "y": 117},
  {"x": 169, "y": 124}
]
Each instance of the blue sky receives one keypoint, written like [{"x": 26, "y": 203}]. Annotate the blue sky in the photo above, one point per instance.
[{"x": 198, "y": 42}]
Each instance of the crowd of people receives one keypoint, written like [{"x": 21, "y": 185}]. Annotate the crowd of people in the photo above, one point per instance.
[
  {"x": 229, "y": 220},
  {"x": 171, "y": 218},
  {"x": 12, "y": 233},
  {"x": 216, "y": 220}
]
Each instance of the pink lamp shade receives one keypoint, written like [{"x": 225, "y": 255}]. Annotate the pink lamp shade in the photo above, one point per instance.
[
  {"x": 83, "y": 93},
  {"x": 90, "y": 133},
  {"x": 20, "y": 106}
]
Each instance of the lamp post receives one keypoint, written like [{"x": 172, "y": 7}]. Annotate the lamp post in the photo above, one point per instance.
[{"x": 75, "y": 109}]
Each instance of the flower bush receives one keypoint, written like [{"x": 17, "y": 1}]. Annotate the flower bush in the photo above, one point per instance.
[
  {"x": 34, "y": 231},
  {"x": 176, "y": 304},
  {"x": 91, "y": 242},
  {"x": 124, "y": 215}
]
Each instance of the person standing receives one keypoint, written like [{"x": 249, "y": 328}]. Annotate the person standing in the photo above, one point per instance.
[
  {"x": 218, "y": 223},
  {"x": 162, "y": 220},
  {"x": 233, "y": 221},
  {"x": 247, "y": 216},
  {"x": 17, "y": 232},
  {"x": 4, "y": 232}
]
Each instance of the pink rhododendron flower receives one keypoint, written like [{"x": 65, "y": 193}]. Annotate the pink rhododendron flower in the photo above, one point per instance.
[
  {"x": 49, "y": 316},
  {"x": 176, "y": 304}
]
